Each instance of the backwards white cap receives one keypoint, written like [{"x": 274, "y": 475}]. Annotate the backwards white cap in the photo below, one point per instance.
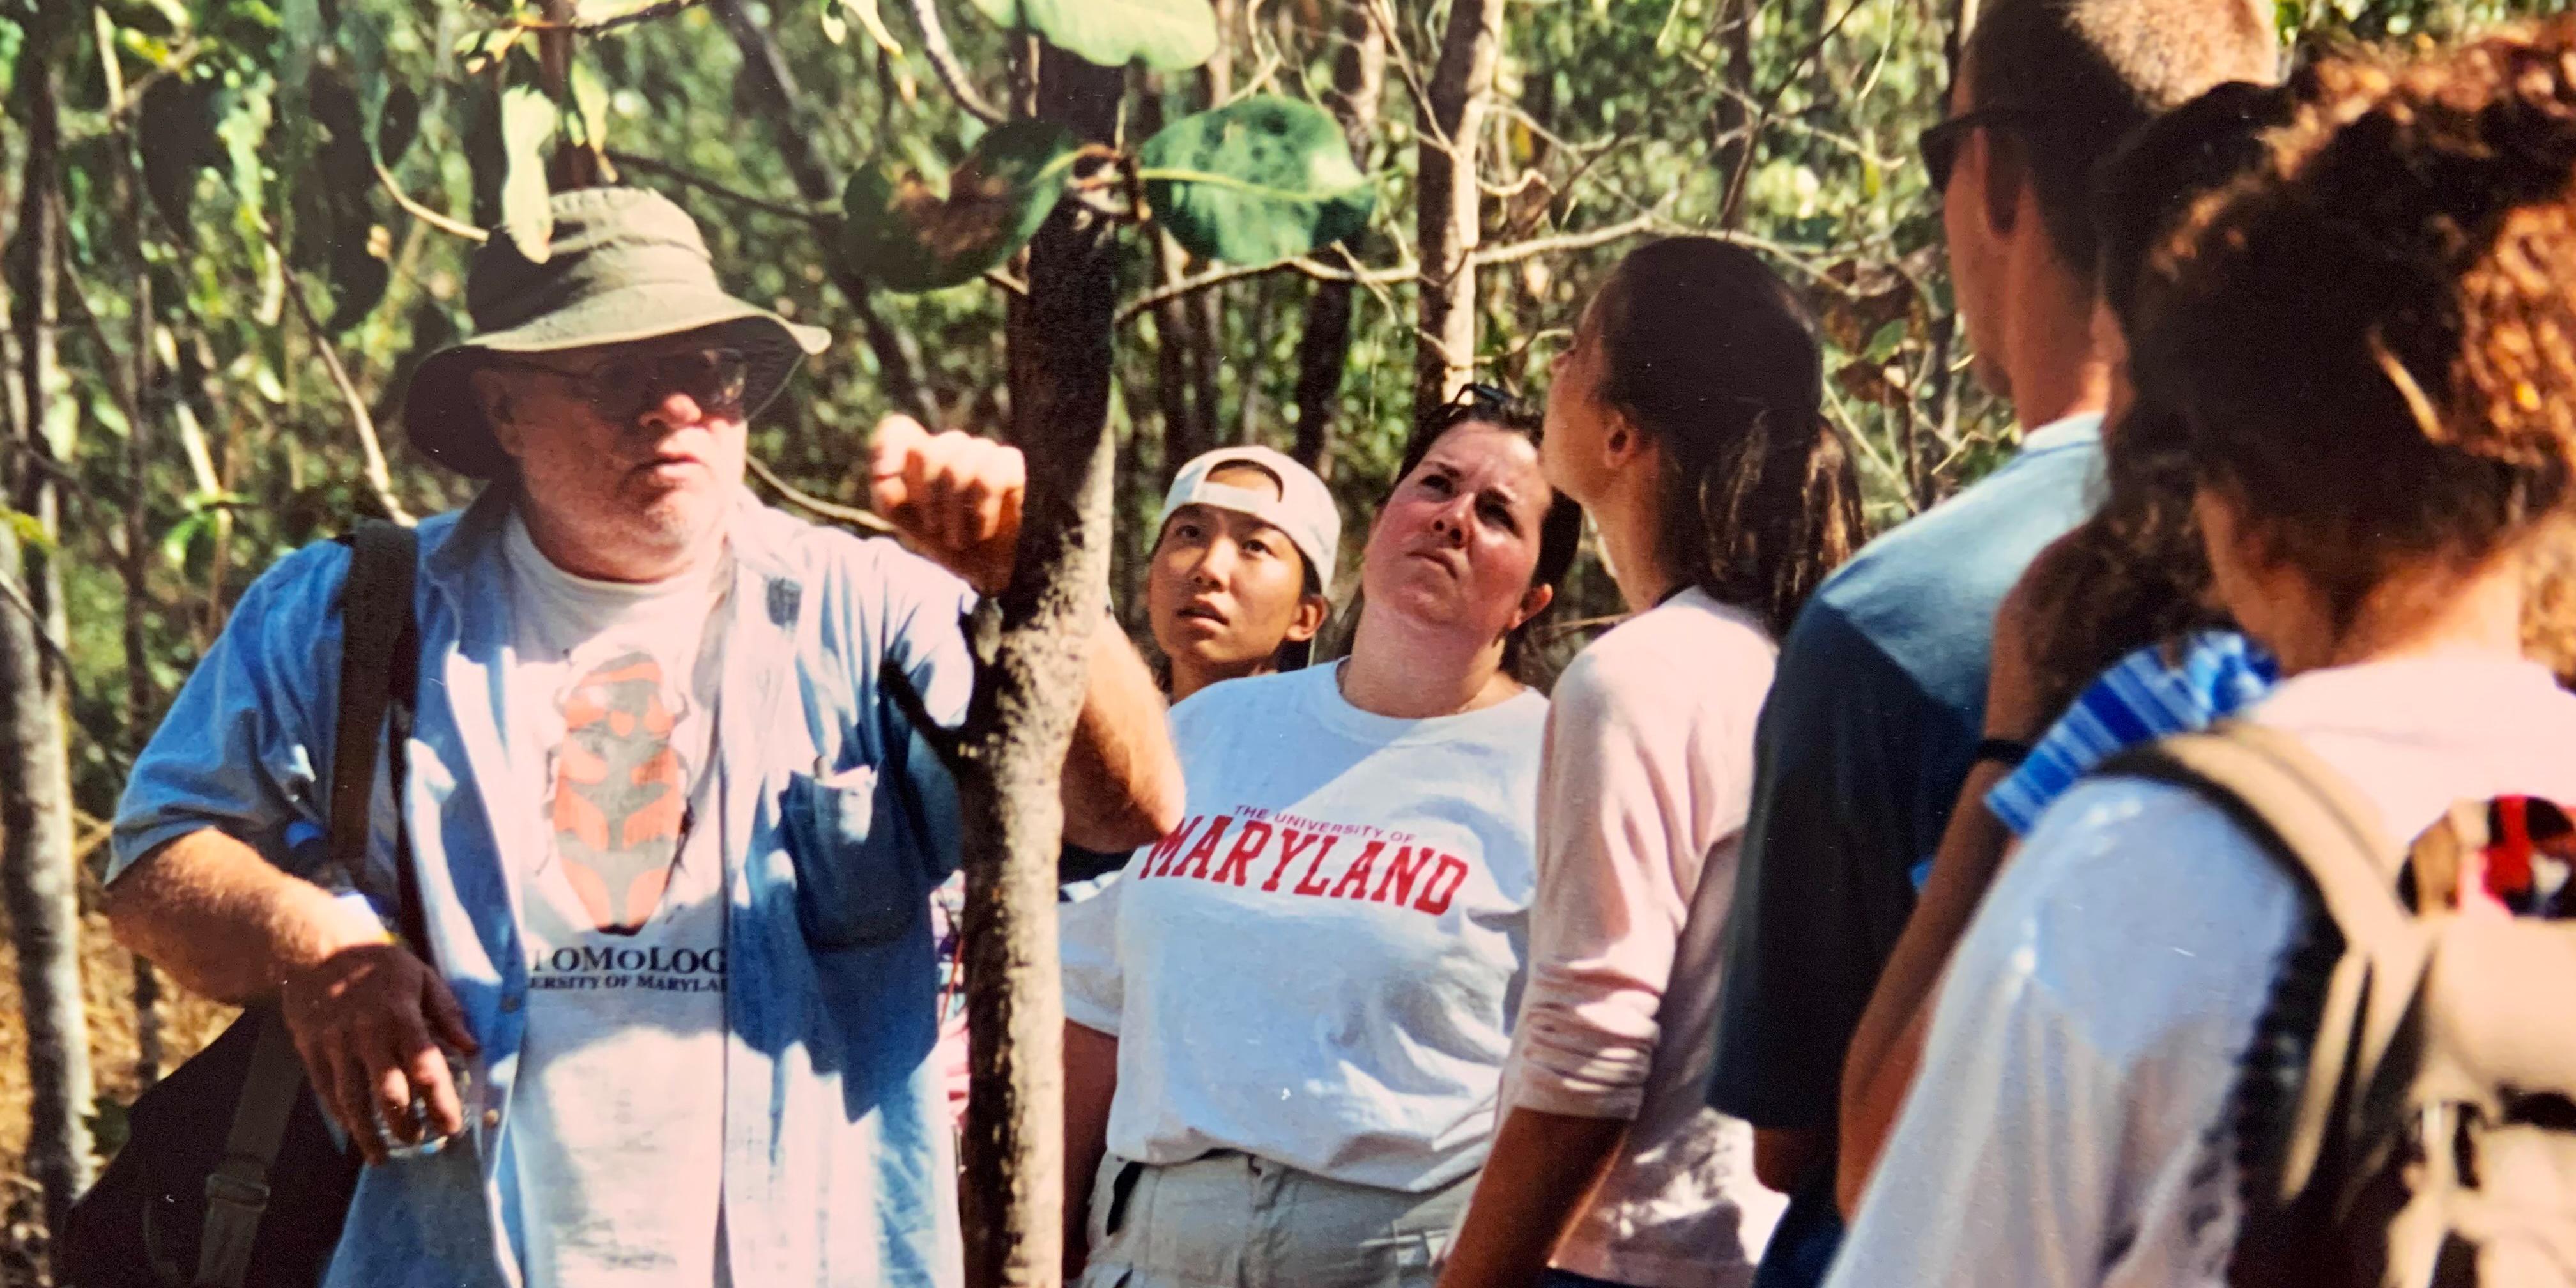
[{"x": 1303, "y": 509}]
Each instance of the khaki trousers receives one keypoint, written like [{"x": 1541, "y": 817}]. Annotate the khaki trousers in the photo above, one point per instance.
[{"x": 1231, "y": 1220}]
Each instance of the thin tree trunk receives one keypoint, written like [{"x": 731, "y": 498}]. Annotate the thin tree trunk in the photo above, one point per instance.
[
  {"x": 1451, "y": 124},
  {"x": 1735, "y": 121},
  {"x": 1020, "y": 721},
  {"x": 135, "y": 568},
  {"x": 35, "y": 772},
  {"x": 1203, "y": 314},
  {"x": 1324, "y": 344},
  {"x": 793, "y": 126},
  {"x": 1187, "y": 430},
  {"x": 1176, "y": 366}
]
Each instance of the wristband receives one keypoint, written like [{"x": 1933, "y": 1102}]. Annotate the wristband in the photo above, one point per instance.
[{"x": 2008, "y": 752}]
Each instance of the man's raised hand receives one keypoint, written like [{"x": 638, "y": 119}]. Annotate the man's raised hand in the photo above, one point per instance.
[{"x": 955, "y": 497}]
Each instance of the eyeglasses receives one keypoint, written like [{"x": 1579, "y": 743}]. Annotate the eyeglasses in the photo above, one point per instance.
[
  {"x": 1940, "y": 143},
  {"x": 620, "y": 389}
]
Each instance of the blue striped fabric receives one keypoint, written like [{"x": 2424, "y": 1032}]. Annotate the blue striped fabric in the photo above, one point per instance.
[{"x": 2155, "y": 691}]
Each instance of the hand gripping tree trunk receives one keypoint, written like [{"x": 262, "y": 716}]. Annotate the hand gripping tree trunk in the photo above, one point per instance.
[
  {"x": 36, "y": 871},
  {"x": 1452, "y": 123},
  {"x": 1031, "y": 646}
]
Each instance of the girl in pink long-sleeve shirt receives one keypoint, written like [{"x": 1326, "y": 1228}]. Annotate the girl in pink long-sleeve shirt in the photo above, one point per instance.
[{"x": 1686, "y": 420}]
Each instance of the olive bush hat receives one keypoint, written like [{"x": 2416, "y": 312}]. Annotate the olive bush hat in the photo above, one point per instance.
[{"x": 625, "y": 264}]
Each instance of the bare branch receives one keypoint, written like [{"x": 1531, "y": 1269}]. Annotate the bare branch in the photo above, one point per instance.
[
  {"x": 692, "y": 179},
  {"x": 16, "y": 597},
  {"x": 943, "y": 59},
  {"x": 1486, "y": 256},
  {"x": 662, "y": 9},
  {"x": 1315, "y": 269},
  {"x": 1007, "y": 282},
  {"x": 378, "y": 475},
  {"x": 385, "y": 179},
  {"x": 848, "y": 514}
]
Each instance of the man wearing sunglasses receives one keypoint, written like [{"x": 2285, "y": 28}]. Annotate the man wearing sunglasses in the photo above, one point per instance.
[
  {"x": 673, "y": 833},
  {"x": 1875, "y": 714}
]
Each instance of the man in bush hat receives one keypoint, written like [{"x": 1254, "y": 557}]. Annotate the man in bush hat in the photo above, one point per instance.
[{"x": 673, "y": 838}]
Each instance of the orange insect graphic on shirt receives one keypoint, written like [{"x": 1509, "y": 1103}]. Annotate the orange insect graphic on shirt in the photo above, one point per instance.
[{"x": 619, "y": 801}]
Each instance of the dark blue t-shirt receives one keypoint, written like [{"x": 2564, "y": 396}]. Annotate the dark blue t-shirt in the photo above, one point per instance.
[{"x": 1872, "y": 720}]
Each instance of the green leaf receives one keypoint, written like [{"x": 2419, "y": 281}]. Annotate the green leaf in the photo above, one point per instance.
[
  {"x": 590, "y": 105},
  {"x": 481, "y": 49},
  {"x": 175, "y": 542},
  {"x": 27, "y": 528},
  {"x": 359, "y": 274},
  {"x": 1166, "y": 35},
  {"x": 176, "y": 130},
  {"x": 1255, "y": 181},
  {"x": 11, "y": 37},
  {"x": 528, "y": 121},
  {"x": 907, "y": 235},
  {"x": 398, "y": 124}
]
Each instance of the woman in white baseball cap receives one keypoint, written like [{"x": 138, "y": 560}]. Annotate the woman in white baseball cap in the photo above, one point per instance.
[{"x": 1243, "y": 569}]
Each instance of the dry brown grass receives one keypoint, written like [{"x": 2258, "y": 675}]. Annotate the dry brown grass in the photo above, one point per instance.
[{"x": 188, "y": 1023}]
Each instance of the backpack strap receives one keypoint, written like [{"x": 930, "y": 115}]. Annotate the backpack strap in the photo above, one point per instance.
[
  {"x": 2332, "y": 842},
  {"x": 379, "y": 669}
]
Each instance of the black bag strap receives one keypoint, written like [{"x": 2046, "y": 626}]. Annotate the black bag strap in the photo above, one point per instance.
[{"x": 379, "y": 674}]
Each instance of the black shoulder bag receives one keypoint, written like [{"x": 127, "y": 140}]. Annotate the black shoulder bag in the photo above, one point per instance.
[{"x": 230, "y": 1177}]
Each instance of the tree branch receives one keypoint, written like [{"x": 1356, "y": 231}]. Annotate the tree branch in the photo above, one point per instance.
[
  {"x": 1302, "y": 264},
  {"x": 851, "y": 515},
  {"x": 692, "y": 179},
  {"x": 662, "y": 9},
  {"x": 771, "y": 86},
  {"x": 1487, "y": 256},
  {"x": 16, "y": 598},
  {"x": 943, "y": 59},
  {"x": 379, "y": 477},
  {"x": 385, "y": 179}
]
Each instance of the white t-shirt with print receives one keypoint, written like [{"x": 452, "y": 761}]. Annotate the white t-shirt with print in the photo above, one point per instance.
[
  {"x": 1320, "y": 965},
  {"x": 2069, "y": 1125},
  {"x": 617, "y": 1125}
]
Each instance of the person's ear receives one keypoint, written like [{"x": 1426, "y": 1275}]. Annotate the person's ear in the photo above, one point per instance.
[
  {"x": 1533, "y": 604},
  {"x": 1309, "y": 618},
  {"x": 2005, "y": 168},
  {"x": 1622, "y": 442},
  {"x": 492, "y": 395}
]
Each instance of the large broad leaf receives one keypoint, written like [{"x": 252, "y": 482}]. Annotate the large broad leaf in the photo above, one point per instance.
[
  {"x": 527, "y": 125},
  {"x": 1166, "y": 35},
  {"x": 398, "y": 125},
  {"x": 907, "y": 235},
  {"x": 1255, "y": 181},
  {"x": 177, "y": 134}
]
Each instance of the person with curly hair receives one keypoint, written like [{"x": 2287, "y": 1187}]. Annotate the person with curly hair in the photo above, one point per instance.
[{"x": 2368, "y": 344}]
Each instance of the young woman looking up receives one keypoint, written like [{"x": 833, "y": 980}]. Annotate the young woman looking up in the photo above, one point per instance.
[
  {"x": 1288, "y": 1018},
  {"x": 1239, "y": 577},
  {"x": 1685, "y": 418},
  {"x": 1237, "y": 584},
  {"x": 2367, "y": 339}
]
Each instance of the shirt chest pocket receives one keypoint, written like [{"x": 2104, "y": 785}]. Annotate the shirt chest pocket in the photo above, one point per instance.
[{"x": 862, "y": 873}]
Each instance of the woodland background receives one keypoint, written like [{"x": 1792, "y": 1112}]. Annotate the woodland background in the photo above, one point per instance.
[{"x": 232, "y": 227}]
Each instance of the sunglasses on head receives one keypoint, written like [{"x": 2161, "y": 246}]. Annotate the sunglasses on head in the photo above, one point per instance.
[
  {"x": 1476, "y": 398},
  {"x": 620, "y": 389},
  {"x": 1940, "y": 143}
]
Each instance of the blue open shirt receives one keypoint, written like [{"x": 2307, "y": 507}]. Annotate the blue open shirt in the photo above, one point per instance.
[{"x": 837, "y": 1165}]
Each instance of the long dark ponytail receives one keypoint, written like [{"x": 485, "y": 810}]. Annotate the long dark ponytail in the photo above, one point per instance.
[{"x": 1712, "y": 356}]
